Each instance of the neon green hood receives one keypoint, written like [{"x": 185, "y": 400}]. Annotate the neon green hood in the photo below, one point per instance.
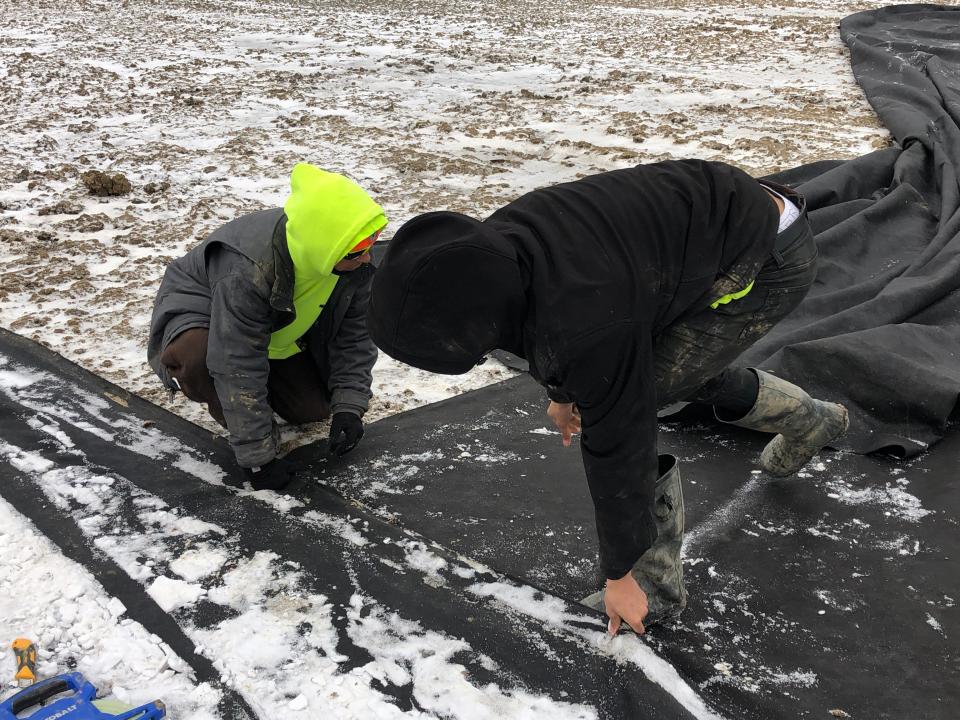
[{"x": 327, "y": 215}]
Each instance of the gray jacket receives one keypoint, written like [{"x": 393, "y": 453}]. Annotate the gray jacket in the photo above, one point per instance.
[{"x": 239, "y": 284}]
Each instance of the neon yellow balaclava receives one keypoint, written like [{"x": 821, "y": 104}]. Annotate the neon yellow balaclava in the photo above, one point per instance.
[{"x": 327, "y": 215}]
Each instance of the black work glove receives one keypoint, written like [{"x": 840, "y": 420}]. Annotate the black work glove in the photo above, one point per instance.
[
  {"x": 346, "y": 429},
  {"x": 275, "y": 475}
]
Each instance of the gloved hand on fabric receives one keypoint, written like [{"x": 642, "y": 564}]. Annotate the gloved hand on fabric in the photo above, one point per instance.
[
  {"x": 346, "y": 429},
  {"x": 275, "y": 475}
]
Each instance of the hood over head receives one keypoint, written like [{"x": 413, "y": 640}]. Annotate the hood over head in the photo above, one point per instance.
[
  {"x": 327, "y": 215},
  {"x": 448, "y": 291}
]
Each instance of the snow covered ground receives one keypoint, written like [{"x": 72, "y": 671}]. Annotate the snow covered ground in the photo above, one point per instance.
[{"x": 205, "y": 105}]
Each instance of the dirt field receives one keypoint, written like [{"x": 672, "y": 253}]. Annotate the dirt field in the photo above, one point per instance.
[{"x": 205, "y": 105}]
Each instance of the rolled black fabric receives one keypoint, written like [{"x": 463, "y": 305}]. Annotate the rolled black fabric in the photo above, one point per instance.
[{"x": 880, "y": 330}]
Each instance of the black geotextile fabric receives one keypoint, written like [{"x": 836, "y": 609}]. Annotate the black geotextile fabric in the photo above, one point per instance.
[
  {"x": 104, "y": 428},
  {"x": 832, "y": 590},
  {"x": 880, "y": 331}
]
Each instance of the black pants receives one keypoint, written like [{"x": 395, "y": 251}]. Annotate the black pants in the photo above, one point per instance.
[
  {"x": 296, "y": 390},
  {"x": 692, "y": 356}
]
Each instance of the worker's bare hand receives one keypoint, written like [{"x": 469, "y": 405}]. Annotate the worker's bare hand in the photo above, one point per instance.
[
  {"x": 567, "y": 419},
  {"x": 625, "y": 600}
]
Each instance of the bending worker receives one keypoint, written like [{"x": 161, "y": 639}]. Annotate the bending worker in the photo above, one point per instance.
[
  {"x": 268, "y": 315},
  {"x": 625, "y": 291}
]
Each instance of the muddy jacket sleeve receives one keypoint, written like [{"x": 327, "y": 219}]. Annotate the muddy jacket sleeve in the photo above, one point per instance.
[
  {"x": 611, "y": 378},
  {"x": 352, "y": 355},
  {"x": 237, "y": 356}
]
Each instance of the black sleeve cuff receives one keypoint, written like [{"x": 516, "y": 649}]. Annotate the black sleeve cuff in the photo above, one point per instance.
[
  {"x": 558, "y": 396},
  {"x": 625, "y": 534}
]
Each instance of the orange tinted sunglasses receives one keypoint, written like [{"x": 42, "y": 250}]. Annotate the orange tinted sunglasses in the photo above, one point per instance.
[{"x": 362, "y": 247}]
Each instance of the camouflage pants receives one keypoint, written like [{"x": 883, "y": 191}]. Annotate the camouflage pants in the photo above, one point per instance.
[{"x": 692, "y": 356}]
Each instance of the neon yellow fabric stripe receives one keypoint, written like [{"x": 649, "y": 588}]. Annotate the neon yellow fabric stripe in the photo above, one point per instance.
[{"x": 732, "y": 296}]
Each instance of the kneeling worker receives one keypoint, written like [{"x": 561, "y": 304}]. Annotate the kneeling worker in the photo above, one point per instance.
[
  {"x": 625, "y": 291},
  {"x": 268, "y": 315}
]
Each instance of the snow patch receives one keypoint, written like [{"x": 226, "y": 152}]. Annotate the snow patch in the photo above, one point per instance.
[
  {"x": 170, "y": 593},
  {"x": 196, "y": 564},
  {"x": 892, "y": 497},
  {"x": 932, "y": 622},
  {"x": 418, "y": 557},
  {"x": 405, "y": 653},
  {"x": 340, "y": 526}
]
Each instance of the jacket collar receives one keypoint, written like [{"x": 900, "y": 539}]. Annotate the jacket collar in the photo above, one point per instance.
[{"x": 281, "y": 296}]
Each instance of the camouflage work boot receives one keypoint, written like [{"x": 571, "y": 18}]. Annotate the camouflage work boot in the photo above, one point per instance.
[
  {"x": 804, "y": 424},
  {"x": 659, "y": 571}
]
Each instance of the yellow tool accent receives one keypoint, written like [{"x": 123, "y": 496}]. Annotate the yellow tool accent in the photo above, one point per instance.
[
  {"x": 732, "y": 296},
  {"x": 25, "y": 653},
  {"x": 111, "y": 706}
]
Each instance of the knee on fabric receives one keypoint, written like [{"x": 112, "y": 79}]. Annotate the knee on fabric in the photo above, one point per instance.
[{"x": 732, "y": 393}]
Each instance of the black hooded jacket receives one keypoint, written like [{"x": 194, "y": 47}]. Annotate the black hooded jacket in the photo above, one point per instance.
[{"x": 579, "y": 278}]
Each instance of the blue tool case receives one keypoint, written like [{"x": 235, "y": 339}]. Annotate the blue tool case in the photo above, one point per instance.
[{"x": 70, "y": 697}]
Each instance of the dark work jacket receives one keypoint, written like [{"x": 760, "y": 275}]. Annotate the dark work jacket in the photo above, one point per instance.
[
  {"x": 239, "y": 283},
  {"x": 579, "y": 278}
]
